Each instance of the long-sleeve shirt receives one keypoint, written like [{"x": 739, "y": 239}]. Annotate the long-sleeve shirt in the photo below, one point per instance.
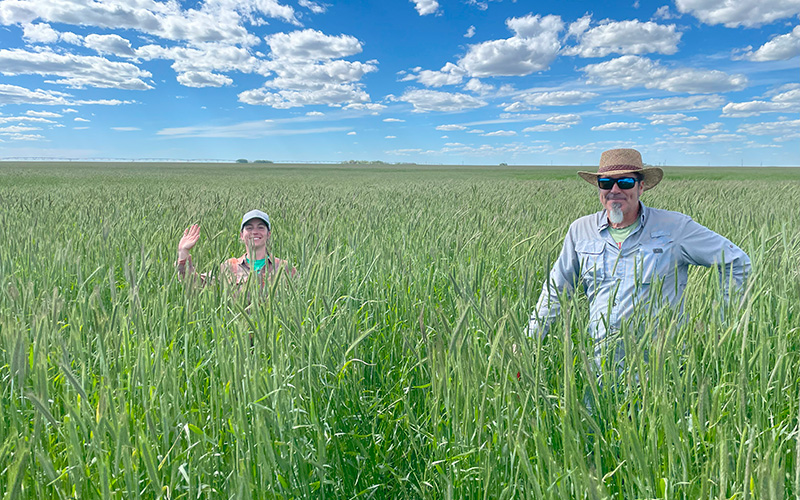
[{"x": 620, "y": 279}]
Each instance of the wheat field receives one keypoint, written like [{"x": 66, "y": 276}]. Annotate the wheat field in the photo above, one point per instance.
[{"x": 384, "y": 369}]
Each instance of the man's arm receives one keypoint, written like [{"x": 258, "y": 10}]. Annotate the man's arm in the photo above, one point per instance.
[
  {"x": 563, "y": 276},
  {"x": 703, "y": 247}
]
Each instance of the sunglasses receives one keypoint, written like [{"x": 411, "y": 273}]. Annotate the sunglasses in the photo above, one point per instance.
[{"x": 622, "y": 182}]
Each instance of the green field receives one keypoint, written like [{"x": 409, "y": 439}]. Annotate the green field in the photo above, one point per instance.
[{"x": 384, "y": 369}]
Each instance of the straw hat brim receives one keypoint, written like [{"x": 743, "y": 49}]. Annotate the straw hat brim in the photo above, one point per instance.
[{"x": 651, "y": 176}]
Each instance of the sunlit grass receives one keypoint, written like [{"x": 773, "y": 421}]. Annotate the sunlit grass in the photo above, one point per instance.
[{"x": 384, "y": 369}]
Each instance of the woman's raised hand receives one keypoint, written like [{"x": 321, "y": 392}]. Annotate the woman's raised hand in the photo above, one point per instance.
[{"x": 188, "y": 240}]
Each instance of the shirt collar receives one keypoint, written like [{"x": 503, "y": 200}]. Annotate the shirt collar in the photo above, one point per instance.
[
  {"x": 244, "y": 264},
  {"x": 602, "y": 217}
]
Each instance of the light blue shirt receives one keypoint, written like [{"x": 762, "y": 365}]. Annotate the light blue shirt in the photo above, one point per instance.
[{"x": 656, "y": 255}]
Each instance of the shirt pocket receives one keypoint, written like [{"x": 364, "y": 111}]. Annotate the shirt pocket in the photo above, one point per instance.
[
  {"x": 652, "y": 258},
  {"x": 590, "y": 256}
]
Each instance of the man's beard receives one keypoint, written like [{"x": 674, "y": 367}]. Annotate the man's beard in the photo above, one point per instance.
[{"x": 615, "y": 215}]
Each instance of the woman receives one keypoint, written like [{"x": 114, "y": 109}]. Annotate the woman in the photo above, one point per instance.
[{"x": 255, "y": 233}]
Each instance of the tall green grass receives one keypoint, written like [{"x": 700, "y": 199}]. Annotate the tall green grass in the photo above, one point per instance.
[{"x": 384, "y": 369}]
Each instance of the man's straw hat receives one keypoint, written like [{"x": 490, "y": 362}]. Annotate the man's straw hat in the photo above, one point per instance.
[{"x": 624, "y": 161}]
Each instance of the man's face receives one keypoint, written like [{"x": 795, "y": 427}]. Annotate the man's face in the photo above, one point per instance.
[
  {"x": 255, "y": 233},
  {"x": 628, "y": 199}
]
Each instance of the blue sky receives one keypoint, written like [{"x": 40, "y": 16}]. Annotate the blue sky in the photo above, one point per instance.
[{"x": 688, "y": 82}]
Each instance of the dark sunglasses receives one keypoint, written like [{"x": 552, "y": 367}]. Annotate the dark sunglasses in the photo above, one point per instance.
[{"x": 622, "y": 182}]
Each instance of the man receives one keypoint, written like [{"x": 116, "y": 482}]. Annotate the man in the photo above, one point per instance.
[
  {"x": 254, "y": 233},
  {"x": 628, "y": 255}
]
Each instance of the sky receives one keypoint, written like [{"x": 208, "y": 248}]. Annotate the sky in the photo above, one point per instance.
[{"x": 476, "y": 82}]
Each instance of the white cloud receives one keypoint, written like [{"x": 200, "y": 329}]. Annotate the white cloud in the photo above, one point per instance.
[
  {"x": 16, "y": 129},
  {"x": 500, "y": 133},
  {"x": 125, "y": 129},
  {"x": 736, "y": 13},
  {"x": 316, "y": 8},
  {"x": 755, "y": 108},
  {"x": 671, "y": 119},
  {"x": 315, "y": 113},
  {"x": 390, "y": 137},
  {"x": 449, "y": 128},
  {"x": 477, "y": 86},
  {"x": 470, "y": 32},
  {"x": 351, "y": 133},
  {"x": 312, "y": 45},
  {"x": 43, "y": 114},
  {"x": 432, "y": 100},
  {"x": 39, "y": 33},
  {"x": 476, "y": 131},
  {"x": 625, "y": 37},
  {"x": 786, "y": 101},
  {"x": 398, "y": 120},
  {"x": 12, "y": 94},
  {"x": 76, "y": 71},
  {"x": 79, "y": 119},
  {"x": 23, "y": 119},
  {"x": 567, "y": 119},
  {"x": 534, "y": 100},
  {"x": 533, "y": 47},
  {"x": 663, "y": 12},
  {"x": 546, "y": 127},
  {"x": 635, "y": 71},
  {"x": 450, "y": 74},
  {"x": 206, "y": 57},
  {"x": 692, "y": 103},
  {"x": 199, "y": 79},
  {"x": 426, "y": 7},
  {"x": 328, "y": 94},
  {"x": 216, "y": 20},
  {"x": 712, "y": 128},
  {"x": 109, "y": 44},
  {"x": 780, "y": 48},
  {"x": 618, "y": 126}
]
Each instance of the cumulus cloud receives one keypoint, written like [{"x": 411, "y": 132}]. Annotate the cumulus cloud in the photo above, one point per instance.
[
  {"x": 215, "y": 20},
  {"x": 426, "y": 7},
  {"x": 316, "y": 8},
  {"x": 393, "y": 120},
  {"x": 433, "y": 100},
  {"x": 670, "y": 119},
  {"x": 732, "y": 14},
  {"x": 618, "y": 126},
  {"x": 780, "y": 127},
  {"x": 623, "y": 37},
  {"x": 635, "y": 71},
  {"x": 75, "y": 71},
  {"x": 309, "y": 70},
  {"x": 470, "y": 32},
  {"x": 311, "y": 45},
  {"x": 450, "y": 74},
  {"x": 780, "y": 48},
  {"x": 535, "y": 100},
  {"x": 451, "y": 127},
  {"x": 784, "y": 102},
  {"x": 533, "y": 47},
  {"x": 326, "y": 94},
  {"x": 500, "y": 133},
  {"x": 565, "y": 119},
  {"x": 109, "y": 44},
  {"x": 477, "y": 86},
  {"x": 39, "y": 33},
  {"x": 546, "y": 127},
  {"x": 691, "y": 103},
  {"x": 199, "y": 79}
]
